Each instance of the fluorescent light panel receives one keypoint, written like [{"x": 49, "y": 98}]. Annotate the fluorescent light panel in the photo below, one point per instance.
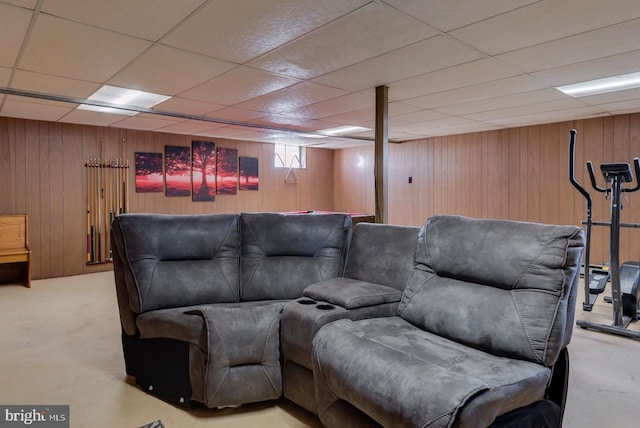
[
  {"x": 124, "y": 97},
  {"x": 602, "y": 86},
  {"x": 341, "y": 130}
]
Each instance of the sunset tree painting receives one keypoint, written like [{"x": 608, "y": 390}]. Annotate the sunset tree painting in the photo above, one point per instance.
[
  {"x": 203, "y": 174},
  {"x": 227, "y": 171},
  {"x": 148, "y": 172},
  {"x": 249, "y": 178},
  {"x": 177, "y": 171}
]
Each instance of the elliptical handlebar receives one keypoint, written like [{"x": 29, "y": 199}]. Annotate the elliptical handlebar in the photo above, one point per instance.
[
  {"x": 572, "y": 178},
  {"x": 636, "y": 167},
  {"x": 592, "y": 176}
]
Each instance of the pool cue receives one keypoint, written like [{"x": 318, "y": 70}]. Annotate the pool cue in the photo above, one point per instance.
[{"x": 88, "y": 202}]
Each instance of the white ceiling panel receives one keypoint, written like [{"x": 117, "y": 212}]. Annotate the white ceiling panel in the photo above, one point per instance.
[
  {"x": 88, "y": 117},
  {"x": 230, "y": 131},
  {"x": 447, "y": 15},
  {"x": 54, "y": 85},
  {"x": 600, "y": 43},
  {"x": 595, "y": 69},
  {"x": 189, "y": 127},
  {"x": 147, "y": 19},
  {"x": 426, "y": 126},
  {"x": 611, "y": 97},
  {"x": 235, "y": 114},
  {"x": 462, "y": 128},
  {"x": 335, "y": 106},
  {"x": 29, "y": 4},
  {"x": 240, "y": 30},
  {"x": 551, "y": 107},
  {"x": 630, "y": 106},
  {"x": 5, "y": 73},
  {"x": 428, "y": 55},
  {"x": 144, "y": 123},
  {"x": 315, "y": 53},
  {"x": 185, "y": 106},
  {"x": 175, "y": 71},
  {"x": 369, "y": 114},
  {"x": 299, "y": 123},
  {"x": 237, "y": 85},
  {"x": 417, "y": 117},
  {"x": 507, "y": 101},
  {"x": 292, "y": 97},
  {"x": 471, "y": 73},
  {"x": 482, "y": 91},
  {"x": 544, "y": 21},
  {"x": 14, "y": 22},
  {"x": 550, "y": 116},
  {"x": 27, "y": 108},
  {"x": 81, "y": 52},
  {"x": 343, "y": 144}
]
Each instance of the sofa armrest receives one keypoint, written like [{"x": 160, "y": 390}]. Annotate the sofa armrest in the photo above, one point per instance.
[{"x": 352, "y": 293}]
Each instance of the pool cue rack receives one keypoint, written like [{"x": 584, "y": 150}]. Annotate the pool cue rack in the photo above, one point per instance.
[{"x": 107, "y": 197}]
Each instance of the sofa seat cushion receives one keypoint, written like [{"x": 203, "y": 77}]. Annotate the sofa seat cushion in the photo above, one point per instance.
[
  {"x": 401, "y": 375},
  {"x": 185, "y": 324},
  {"x": 352, "y": 293}
]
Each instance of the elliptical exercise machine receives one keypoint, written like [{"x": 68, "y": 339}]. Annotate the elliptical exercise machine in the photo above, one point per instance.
[{"x": 624, "y": 279}]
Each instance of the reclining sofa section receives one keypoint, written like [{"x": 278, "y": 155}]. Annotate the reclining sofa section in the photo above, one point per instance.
[
  {"x": 485, "y": 316},
  {"x": 462, "y": 322},
  {"x": 200, "y": 297}
]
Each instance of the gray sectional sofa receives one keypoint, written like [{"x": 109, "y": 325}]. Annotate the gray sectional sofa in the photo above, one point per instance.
[{"x": 463, "y": 322}]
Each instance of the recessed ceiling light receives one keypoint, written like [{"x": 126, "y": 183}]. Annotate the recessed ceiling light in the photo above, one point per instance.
[
  {"x": 602, "y": 86},
  {"x": 124, "y": 97},
  {"x": 341, "y": 130}
]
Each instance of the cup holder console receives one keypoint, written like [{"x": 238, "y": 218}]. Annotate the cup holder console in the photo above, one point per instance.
[
  {"x": 325, "y": 307},
  {"x": 307, "y": 302}
]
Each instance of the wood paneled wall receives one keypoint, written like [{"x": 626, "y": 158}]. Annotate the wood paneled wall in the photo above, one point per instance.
[
  {"x": 42, "y": 174},
  {"x": 518, "y": 174}
]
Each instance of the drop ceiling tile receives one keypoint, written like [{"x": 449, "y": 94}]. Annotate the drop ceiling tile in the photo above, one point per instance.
[
  {"x": 143, "y": 123},
  {"x": 335, "y": 106},
  {"x": 88, "y": 117},
  {"x": 630, "y": 106},
  {"x": 244, "y": 29},
  {"x": 29, "y": 4},
  {"x": 481, "y": 91},
  {"x": 368, "y": 114},
  {"x": 5, "y": 73},
  {"x": 291, "y": 98},
  {"x": 447, "y": 15},
  {"x": 230, "y": 131},
  {"x": 14, "y": 22},
  {"x": 235, "y": 114},
  {"x": 170, "y": 119},
  {"x": 169, "y": 71},
  {"x": 283, "y": 121},
  {"x": 507, "y": 101},
  {"x": 459, "y": 76},
  {"x": 54, "y": 85},
  {"x": 417, "y": 117},
  {"x": 627, "y": 62},
  {"x": 181, "y": 105},
  {"x": 550, "y": 117},
  {"x": 237, "y": 85},
  {"x": 189, "y": 127},
  {"x": 544, "y": 21},
  {"x": 315, "y": 53},
  {"x": 425, "y": 126},
  {"x": 342, "y": 144},
  {"x": 551, "y": 106},
  {"x": 594, "y": 44},
  {"x": 612, "y": 97},
  {"x": 25, "y": 108},
  {"x": 428, "y": 55},
  {"x": 147, "y": 19},
  {"x": 81, "y": 52},
  {"x": 461, "y": 129}
]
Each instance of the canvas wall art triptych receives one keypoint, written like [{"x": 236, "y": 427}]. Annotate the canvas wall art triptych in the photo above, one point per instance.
[{"x": 201, "y": 171}]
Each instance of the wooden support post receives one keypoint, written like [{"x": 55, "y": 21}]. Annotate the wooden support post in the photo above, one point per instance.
[{"x": 381, "y": 155}]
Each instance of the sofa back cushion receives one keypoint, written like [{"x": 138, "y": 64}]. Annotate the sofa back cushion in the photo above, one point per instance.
[
  {"x": 382, "y": 254},
  {"x": 178, "y": 260},
  {"x": 505, "y": 287},
  {"x": 283, "y": 253}
]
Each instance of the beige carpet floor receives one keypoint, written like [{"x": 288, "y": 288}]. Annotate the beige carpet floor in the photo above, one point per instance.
[{"x": 60, "y": 344}]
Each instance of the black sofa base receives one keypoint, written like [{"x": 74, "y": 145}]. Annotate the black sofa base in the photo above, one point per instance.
[{"x": 160, "y": 367}]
